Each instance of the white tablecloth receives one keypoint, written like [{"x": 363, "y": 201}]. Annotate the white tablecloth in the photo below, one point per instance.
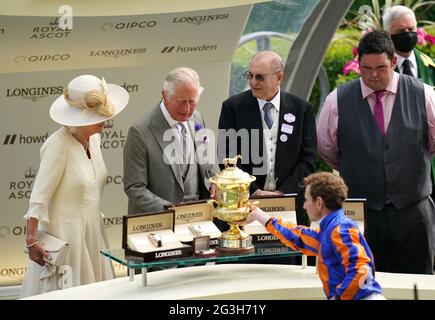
[{"x": 237, "y": 281}]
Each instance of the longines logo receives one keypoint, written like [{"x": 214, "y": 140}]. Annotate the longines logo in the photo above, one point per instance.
[
  {"x": 112, "y": 139},
  {"x": 147, "y": 227},
  {"x": 272, "y": 250},
  {"x": 201, "y": 19},
  {"x": 2, "y": 31},
  {"x": 22, "y": 188},
  {"x": 33, "y": 93},
  {"x": 12, "y": 272},
  {"x": 116, "y": 53},
  {"x": 168, "y": 254},
  {"x": 268, "y": 237},
  {"x": 128, "y": 25},
  {"x": 188, "y": 49},
  {"x": 108, "y": 222},
  {"x": 11, "y": 139},
  {"x": 43, "y": 58},
  {"x": 187, "y": 217},
  {"x": 50, "y": 31},
  {"x": 274, "y": 209}
]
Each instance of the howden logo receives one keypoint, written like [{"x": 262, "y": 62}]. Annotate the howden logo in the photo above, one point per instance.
[
  {"x": 22, "y": 139},
  {"x": 189, "y": 49}
]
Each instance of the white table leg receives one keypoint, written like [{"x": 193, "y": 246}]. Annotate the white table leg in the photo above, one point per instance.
[
  {"x": 304, "y": 261},
  {"x": 144, "y": 277}
]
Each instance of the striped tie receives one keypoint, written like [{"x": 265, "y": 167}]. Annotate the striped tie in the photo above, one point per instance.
[
  {"x": 267, "y": 114},
  {"x": 185, "y": 149}
]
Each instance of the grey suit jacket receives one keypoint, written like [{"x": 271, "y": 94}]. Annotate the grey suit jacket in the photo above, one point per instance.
[{"x": 149, "y": 181}]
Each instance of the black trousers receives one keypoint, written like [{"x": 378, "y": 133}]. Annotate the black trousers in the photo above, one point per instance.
[{"x": 402, "y": 241}]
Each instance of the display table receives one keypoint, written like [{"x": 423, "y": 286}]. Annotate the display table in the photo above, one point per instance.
[
  {"x": 263, "y": 251},
  {"x": 237, "y": 281}
]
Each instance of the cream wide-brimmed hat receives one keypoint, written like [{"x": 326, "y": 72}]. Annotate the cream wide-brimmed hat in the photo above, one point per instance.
[{"x": 88, "y": 100}]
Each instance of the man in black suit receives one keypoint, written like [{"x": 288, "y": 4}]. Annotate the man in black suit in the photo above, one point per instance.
[{"x": 273, "y": 130}]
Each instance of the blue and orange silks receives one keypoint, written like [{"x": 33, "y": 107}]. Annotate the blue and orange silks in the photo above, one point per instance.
[{"x": 345, "y": 262}]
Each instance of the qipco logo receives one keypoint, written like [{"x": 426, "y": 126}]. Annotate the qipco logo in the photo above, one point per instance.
[
  {"x": 128, "y": 25},
  {"x": 43, "y": 58}
]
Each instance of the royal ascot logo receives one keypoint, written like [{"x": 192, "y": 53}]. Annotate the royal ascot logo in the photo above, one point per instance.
[
  {"x": 128, "y": 25},
  {"x": 50, "y": 31},
  {"x": 111, "y": 138},
  {"x": 30, "y": 173},
  {"x": 116, "y": 53},
  {"x": 201, "y": 19},
  {"x": 189, "y": 49},
  {"x": 33, "y": 93},
  {"x": 109, "y": 124},
  {"x": 61, "y": 57},
  {"x": 22, "y": 188},
  {"x": 13, "y": 138}
]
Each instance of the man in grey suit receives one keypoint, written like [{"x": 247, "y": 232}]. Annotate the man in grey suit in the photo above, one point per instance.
[{"x": 165, "y": 155}]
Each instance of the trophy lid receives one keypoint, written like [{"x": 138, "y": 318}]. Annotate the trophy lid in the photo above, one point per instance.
[{"x": 232, "y": 174}]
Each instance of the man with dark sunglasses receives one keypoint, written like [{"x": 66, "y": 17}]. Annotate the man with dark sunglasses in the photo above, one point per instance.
[{"x": 272, "y": 130}]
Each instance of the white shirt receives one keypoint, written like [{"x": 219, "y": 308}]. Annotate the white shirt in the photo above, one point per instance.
[{"x": 413, "y": 61}]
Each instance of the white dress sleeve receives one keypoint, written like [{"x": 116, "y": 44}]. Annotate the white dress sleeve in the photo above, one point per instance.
[{"x": 51, "y": 168}]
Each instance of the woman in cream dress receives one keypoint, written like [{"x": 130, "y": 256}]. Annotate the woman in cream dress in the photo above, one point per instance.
[{"x": 66, "y": 197}]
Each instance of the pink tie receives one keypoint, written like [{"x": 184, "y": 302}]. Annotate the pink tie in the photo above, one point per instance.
[{"x": 379, "y": 112}]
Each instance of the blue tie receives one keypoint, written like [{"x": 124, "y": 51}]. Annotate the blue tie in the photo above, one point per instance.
[{"x": 267, "y": 114}]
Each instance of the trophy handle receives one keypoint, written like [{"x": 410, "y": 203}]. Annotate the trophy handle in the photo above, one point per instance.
[{"x": 213, "y": 203}]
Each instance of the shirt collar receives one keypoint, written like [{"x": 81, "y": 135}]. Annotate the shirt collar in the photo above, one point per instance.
[
  {"x": 171, "y": 122},
  {"x": 276, "y": 100},
  {"x": 392, "y": 86},
  {"x": 325, "y": 220}
]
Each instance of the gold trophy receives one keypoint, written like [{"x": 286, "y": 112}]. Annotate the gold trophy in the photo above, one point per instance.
[{"x": 231, "y": 206}]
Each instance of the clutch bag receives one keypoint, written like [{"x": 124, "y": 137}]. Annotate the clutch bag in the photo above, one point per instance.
[{"x": 55, "y": 247}]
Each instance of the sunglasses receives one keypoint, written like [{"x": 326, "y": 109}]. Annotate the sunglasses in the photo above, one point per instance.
[{"x": 248, "y": 75}]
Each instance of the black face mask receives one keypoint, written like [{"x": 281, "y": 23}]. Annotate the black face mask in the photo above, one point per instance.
[{"x": 405, "y": 41}]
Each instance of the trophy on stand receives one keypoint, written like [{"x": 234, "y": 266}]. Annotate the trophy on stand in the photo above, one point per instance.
[{"x": 231, "y": 206}]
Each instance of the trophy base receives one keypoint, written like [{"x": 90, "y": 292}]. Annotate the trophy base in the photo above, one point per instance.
[{"x": 235, "y": 246}]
